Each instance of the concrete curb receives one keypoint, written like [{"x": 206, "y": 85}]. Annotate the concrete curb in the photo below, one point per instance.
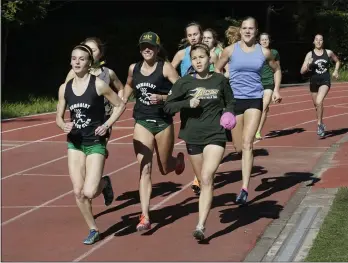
[{"x": 290, "y": 237}]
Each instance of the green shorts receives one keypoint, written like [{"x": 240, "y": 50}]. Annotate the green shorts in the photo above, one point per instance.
[
  {"x": 89, "y": 149},
  {"x": 154, "y": 126}
]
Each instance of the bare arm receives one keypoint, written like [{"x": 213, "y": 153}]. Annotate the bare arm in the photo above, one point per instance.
[
  {"x": 179, "y": 56},
  {"x": 119, "y": 107},
  {"x": 275, "y": 66},
  {"x": 115, "y": 82},
  {"x": 333, "y": 56},
  {"x": 308, "y": 60},
  {"x": 225, "y": 56},
  {"x": 128, "y": 90},
  {"x": 171, "y": 74},
  {"x": 61, "y": 106}
]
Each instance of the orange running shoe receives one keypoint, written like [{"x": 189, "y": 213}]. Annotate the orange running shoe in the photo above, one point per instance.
[
  {"x": 196, "y": 186},
  {"x": 144, "y": 224}
]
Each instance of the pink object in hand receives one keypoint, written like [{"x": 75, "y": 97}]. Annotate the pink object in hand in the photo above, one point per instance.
[{"x": 228, "y": 120}]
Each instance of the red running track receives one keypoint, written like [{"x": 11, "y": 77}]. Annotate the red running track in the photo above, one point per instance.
[{"x": 40, "y": 221}]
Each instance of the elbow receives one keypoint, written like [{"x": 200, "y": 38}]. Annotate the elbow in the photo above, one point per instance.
[{"x": 167, "y": 109}]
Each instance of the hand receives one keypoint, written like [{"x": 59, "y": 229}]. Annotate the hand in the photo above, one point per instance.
[
  {"x": 276, "y": 98},
  {"x": 194, "y": 103},
  {"x": 68, "y": 127},
  {"x": 101, "y": 130},
  {"x": 156, "y": 98},
  {"x": 335, "y": 74}
]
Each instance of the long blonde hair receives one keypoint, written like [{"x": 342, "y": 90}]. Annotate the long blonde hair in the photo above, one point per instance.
[{"x": 232, "y": 34}]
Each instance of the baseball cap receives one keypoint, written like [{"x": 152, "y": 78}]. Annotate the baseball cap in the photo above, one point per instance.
[{"x": 151, "y": 38}]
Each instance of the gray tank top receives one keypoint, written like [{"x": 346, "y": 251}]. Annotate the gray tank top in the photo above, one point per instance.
[{"x": 105, "y": 76}]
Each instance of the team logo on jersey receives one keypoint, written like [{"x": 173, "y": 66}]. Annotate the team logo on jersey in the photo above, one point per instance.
[
  {"x": 321, "y": 66},
  {"x": 203, "y": 93},
  {"x": 145, "y": 95},
  {"x": 80, "y": 121}
]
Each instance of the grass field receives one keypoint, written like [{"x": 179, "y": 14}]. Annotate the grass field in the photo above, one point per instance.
[
  {"x": 31, "y": 106},
  {"x": 331, "y": 242}
]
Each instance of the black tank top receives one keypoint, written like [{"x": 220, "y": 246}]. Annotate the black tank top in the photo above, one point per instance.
[
  {"x": 144, "y": 87},
  {"x": 321, "y": 66},
  {"x": 86, "y": 112}
]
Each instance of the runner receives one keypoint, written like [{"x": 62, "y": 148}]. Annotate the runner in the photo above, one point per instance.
[
  {"x": 151, "y": 79},
  {"x": 194, "y": 35},
  {"x": 84, "y": 96},
  {"x": 317, "y": 63},
  {"x": 246, "y": 58},
  {"x": 201, "y": 98},
  {"x": 210, "y": 38},
  {"x": 106, "y": 74},
  {"x": 267, "y": 78}
]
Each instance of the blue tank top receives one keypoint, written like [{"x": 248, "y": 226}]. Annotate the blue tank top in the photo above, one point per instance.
[
  {"x": 186, "y": 62},
  {"x": 245, "y": 72}
]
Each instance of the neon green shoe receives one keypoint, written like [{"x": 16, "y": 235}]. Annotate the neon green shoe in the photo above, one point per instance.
[{"x": 258, "y": 136}]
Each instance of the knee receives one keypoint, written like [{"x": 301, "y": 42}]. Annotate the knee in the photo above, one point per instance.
[
  {"x": 318, "y": 104},
  {"x": 247, "y": 145},
  {"x": 79, "y": 195},
  {"x": 206, "y": 180},
  {"x": 89, "y": 192},
  {"x": 146, "y": 171}
]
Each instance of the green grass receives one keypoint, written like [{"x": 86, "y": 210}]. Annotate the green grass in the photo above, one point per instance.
[
  {"x": 343, "y": 75},
  {"x": 31, "y": 106},
  {"x": 331, "y": 242}
]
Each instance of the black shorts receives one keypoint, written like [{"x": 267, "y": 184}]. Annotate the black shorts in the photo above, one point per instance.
[
  {"x": 270, "y": 87},
  {"x": 193, "y": 149},
  {"x": 243, "y": 104},
  {"x": 316, "y": 83}
]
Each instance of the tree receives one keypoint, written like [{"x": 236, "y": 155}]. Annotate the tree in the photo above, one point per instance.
[{"x": 18, "y": 13}]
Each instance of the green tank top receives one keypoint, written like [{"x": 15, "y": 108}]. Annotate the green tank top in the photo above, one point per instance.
[
  {"x": 267, "y": 74},
  {"x": 217, "y": 51}
]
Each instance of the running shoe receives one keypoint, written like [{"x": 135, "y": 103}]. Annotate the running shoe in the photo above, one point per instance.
[
  {"x": 258, "y": 136},
  {"x": 242, "y": 197},
  {"x": 144, "y": 224},
  {"x": 321, "y": 130},
  {"x": 196, "y": 186},
  {"x": 199, "y": 233},
  {"x": 93, "y": 237}
]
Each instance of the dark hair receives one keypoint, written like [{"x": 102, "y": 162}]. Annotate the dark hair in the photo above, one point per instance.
[
  {"x": 98, "y": 42},
  {"x": 252, "y": 18},
  {"x": 87, "y": 49},
  {"x": 162, "y": 53},
  {"x": 217, "y": 43},
  {"x": 184, "y": 42},
  {"x": 200, "y": 46}
]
